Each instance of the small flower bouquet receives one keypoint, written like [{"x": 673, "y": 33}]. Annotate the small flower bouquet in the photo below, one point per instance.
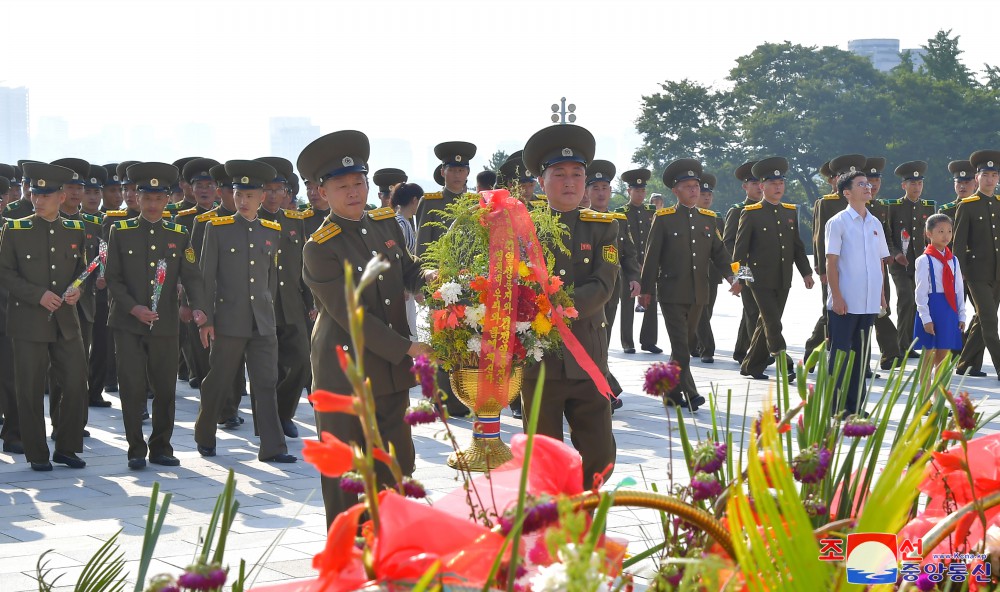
[{"x": 495, "y": 278}]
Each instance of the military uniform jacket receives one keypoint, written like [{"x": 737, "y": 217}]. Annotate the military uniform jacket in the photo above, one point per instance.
[
  {"x": 905, "y": 215},
  {"x": 429, "y": 210},
  {"x": 112, "y": 216},
  {"x": 197, "y": 229},
  {"x": 21, "y": 208},
  {"x": 732, "y": 224},
  {"x": 768, "y": 242},
  {"x": 627, "y": 253},
  {"x": 134, "y": 249},
  {"x": 293, "y": 299},
  {"x": 312, "y": 220},
  {"x": 825, "y": 208},
  {"x": 38, "y": 256},
  {"x": 186, "y": 218},
  {"x": 713, "y": 274},
  {"x": 590, "y": 269},
  {"x": 949, "y": 208},
  {"x": 640, "y": 219},
  {"x": 239, "y": 267},
  {"x": 93, "y": 234},
  {"x": 683, "y": 242},
  {"x": 977, "y": 238},
  {"x": 342, "y": 242},
  {"x": 3, "y": 290}
]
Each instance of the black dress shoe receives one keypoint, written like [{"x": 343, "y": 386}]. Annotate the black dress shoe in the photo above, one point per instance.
[
  {"x": 651, "y": 349},
  {"x": 281, "y": 458},
  {"x": 111, "y": 388},
  {"x": 888, "y": 364},
  {"x": 291, "y": 430},
  {"x": 149, "y": 395},
  {"x": 696, "y": 402},
  {"x": 914, "y": 355},
  {"x": 516, "y": 413},
  {"x": 671, "y": 402},
  {"x": 182, "y": 376},
  {"x": 42, "y": 466},
  {"x": 739, "y": 358},
  {"x": 640, "y": 308},
  {"x": 770, "y": 360},
  {"x": 232, "y": 423},
  {"x": 708, "y": 359},
  {"x": 145, "y": 415},
  {"x": 136, "y": 463},
  {"x": 629, "y": 350},
  {"x": 206, "y": 451},
  {"x": 758, "y": 376},
  {"x": 100, "y": 403},
  {"x": 165, "y": 460},
  {"x": 971, "y": 372},
  {"x": 194, "y": 382},
  {"x": 13, "y": 447},
  {"x": 869, "y": 373},
  {"x": 69, "y": 459},
  {"x": 86, "y": 433}
]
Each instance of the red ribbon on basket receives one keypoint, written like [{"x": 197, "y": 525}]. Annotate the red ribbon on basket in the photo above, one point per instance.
[{"x": 509, "y": 226}]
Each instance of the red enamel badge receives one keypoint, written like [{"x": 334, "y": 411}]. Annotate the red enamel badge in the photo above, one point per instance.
[
  {"x": 390, "y": 243},
  {"x": 585, "y": 247}
]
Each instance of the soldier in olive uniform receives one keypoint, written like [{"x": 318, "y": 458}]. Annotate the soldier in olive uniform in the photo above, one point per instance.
[
  {"x": 452, "y": 174},
  {"x": 966, "y": 186},
  {"x": 239, "y": 266},
  {"x": 513, "y": 175},
  {"x": 640, "y": 218},
  {"x": 147, "y": 338},
  {"x": 317, "y": 210},
  {"x": 683, "y": 242},
  {"x": 337, "y": 165},
  {"x": 129, "y": 197},
  {"x": 825, "y": 208},
  {"x": 97, "y": 361},
  {"x": 10, "y": 432},
  {"x": 111, "y": 199},
  {"x": 885, "y": 331},
  {"x": 977, "y": 246},
  {"x": 768, "y": 243},
  {"x": 384, "y": 179},
  {"x": 188, "y": 199},
  {"x": 292, "y": 301},
  {"x": 905, "y": 234},
  {"x": 21, "y": 208},
  {"x": 748, "y": 322},
  {"x": 600, "y": 173},
  {"x": 705, "y": 344},
  {"x": 40, "y": 257},
  {"x": 559, "y": 154}
]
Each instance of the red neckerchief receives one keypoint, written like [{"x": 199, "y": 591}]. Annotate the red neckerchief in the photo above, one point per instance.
[{"x": 947, "y": 275}]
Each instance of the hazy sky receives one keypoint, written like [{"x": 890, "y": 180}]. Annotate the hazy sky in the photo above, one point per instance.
[{"x": 419, "y": 72}]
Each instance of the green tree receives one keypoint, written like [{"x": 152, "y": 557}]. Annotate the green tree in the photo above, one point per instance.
[
  {"x": 942, "y": 61},
  {"x": 498, "y": 158}
]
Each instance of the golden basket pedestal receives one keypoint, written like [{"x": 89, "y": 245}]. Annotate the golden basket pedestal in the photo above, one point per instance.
[{"x": 487, "y": 451}]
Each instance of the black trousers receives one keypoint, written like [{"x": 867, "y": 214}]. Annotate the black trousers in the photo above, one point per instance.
[
  {"x": 983, "y": 329},
  {"x": 682, "y": 324},
  {"x": 850, "y": 333},
  {"x": 648, "y": 330},
  {"x": 706, "y": 338},
  {"x": 748, "y": 322},
  {"x": 147, "y": 359}
]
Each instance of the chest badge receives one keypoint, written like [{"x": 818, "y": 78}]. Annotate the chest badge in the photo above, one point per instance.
[
  {"x": 610, "y": 254},
  {"x": 390, "y": 243},
  {"x": 189, "y": 255},
  {"x": 585, "y": 247}
]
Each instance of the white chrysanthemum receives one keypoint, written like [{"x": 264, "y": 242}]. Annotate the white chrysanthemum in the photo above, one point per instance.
[
  {"x": 536, "y": 352},
  {"x": 993, "y": 541},
  {"x": 522, "y": 326},
  {"x": 450, "y": 292},
  {"x": 550, "y": 578},
  {"x": 474, "y": 315},
  {"x": 474, "y": 344}
]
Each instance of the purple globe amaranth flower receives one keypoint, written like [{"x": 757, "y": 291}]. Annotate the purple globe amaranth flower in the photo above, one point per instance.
[
  {"x": 858, "y": 427},
  {"x": 352, "y": 482},
  {"x": 811, "y": 464},
  {"x": 202, "y": 577},
  {"x": 539, "y": 514},
  {"x": 815, "y": 507},
  {"x": 413, "y": 488},
  {"x": 216, "y": 578},
  {"x": 705, "y": 486},
  {"x": 965, "y": 412},
  {"x": 422, "y": 412},
  {"x": 924, "y": 583},
  {"x": 662, "y": 378},
  {"x": 192, "y": 580},
  {"x": 707, "y": 456},
  {"x": 425, "y": 371}
]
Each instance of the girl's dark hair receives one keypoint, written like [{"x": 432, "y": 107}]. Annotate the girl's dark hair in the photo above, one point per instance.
[
  {"x": 934, "y": 219},
  {"x": 403, "y": 194},
  {"x": 844, "y": 181}
]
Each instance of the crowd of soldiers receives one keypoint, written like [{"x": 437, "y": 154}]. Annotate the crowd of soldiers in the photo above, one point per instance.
[{"x": 210, "y": 272}]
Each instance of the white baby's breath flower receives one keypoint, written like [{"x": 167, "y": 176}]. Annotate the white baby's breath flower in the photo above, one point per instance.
[
  {"x": 522, "y": 326},
  {"x": 474, "y": 344},
  {"x": 550, "y": 578},
  {"x": 474, "y": 315},
  {"x": 450, "y": 292}
]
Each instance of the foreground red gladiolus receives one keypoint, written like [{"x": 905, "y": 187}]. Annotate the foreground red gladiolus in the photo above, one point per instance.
[
  {"x": 327, "y": 402},
  {"x": 332, "y": 457}
]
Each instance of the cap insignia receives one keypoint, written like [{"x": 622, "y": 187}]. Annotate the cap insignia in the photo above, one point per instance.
[
  {"x": 599, "y": 176},
  {"x": 458, "y": 158},
  {"x": 916, "y": 173},
  {"x": 245, "y": 180},
  {"x": 874, "y": 170},
  {"x": 115, "y": 177},
  {"x": 690, "y": 173},
  {"x": 853, "y": 169},
  {"x": 567, "y": 152},
  {"x": 41, "y": 182},
  {"x": 989, "y": 163},
  {"x": 154, "y": 182},
  {"x": 348, "y": 161},
  {"x": 93, "y": 180},
  {"x": 777, "y": 172}
]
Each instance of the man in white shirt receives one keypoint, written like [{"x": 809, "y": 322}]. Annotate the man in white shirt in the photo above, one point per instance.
[{"x": 855, "y": 248}]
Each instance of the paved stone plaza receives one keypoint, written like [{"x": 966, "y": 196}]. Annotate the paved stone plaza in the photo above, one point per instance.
[{"x": 74, "y": 511}]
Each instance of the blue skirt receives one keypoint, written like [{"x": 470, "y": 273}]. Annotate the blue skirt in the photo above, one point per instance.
[{"x": 946, "y": 332}]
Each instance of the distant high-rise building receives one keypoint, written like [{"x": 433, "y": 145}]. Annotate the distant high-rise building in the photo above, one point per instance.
[
  {"x": 289, "y": 135},
  {"x": 884, "y": 53},
  {"x": 13, "y": 124}
]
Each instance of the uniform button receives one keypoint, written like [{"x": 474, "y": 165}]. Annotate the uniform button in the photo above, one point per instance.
[
  {"x": 151, "y": 282},
  {"x": 29, "y": 256},
  {"x": 280, "y": 268},
  {"x": 251, "y": 297},
  {"x": 52, "y": 231},
  {"x": 130, "y": 252},
  {"x": 279, "y": 251},
  {"x": 152, "y": 247},
  {"x": 53, "y": 283},
  {"x": 562, "y": 272},
  {"x": 232, "y": 250},
  {"x": 250, "y": 229},
  {"x": 251, "y": 262},
  {"x": 694, "y": 267},
  {"x": 359, "y": 269},
  {"x": 251, "y": 280},
  {"x": 251, "y": 245},
  {"x": 692, "y": 240},
  {"x": 152, "y": 264},
  {"x": 374, "y": 253},
  {"x": 380, "y": 277},
  {"x": 53, "y": 249},
  {"x": 53, "y": 267},
  {"x": 387, "y": 301},
  {"x": 281, "y": 283},
  {"x": 364, "y": 231},
  {"x": 586, "y": 259},
  {"x": 150, "y": 231},
  {"x": 604, "y": 324},
  {"x": 693, "y": 254}
]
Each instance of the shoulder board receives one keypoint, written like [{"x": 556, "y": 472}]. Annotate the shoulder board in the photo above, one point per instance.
[
  {"x": 207, "y": 216},
  {"x": 831, "y": 196},
  {"x": 9, "y": 208},
  {"x": 541, "y": 196},
  {"x": 326, "y": 233},
  {"x": 928, "y": 202},
  {"x": 23, "y": 224},
  {"x": 592, "y": 216},
  {"x": 788, "y": 205},
  {"x": 707, "y": 212},
  {"x": 178, "y": 228},
  {"x": 221, "y": 220},
  {"x": 650, "y": 208},
  {"x": 127, "y": 224},
  {"x": 620, "y": 210},
  {"x": 894, "y": 202},
  {"x": 382, "y": 213},
  {"x": 665, "y": 211},
  {"x": 756, "y": 206},
  {"x": 738, "y": 206},
  {"x": 294, "y": 214},
  {"x": 172, "y": 207},
  {"x": 619, "y": 216},
  {"x": 116, "y": 213},
  {"x": 882, "y": 202},
  {"x": 92, "y": 218},
  {"x": 950, "y": 205},
  {"x": 434, "y": 195},
  {"x": 307, "y": 213},
  {"x": 188, "y": 212},
  {"x": 269, "y": 224},
  {"x": 74, "y": 224},
  {"x": 538, "y": 203},
  {"x": 970, "y": 199}
]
